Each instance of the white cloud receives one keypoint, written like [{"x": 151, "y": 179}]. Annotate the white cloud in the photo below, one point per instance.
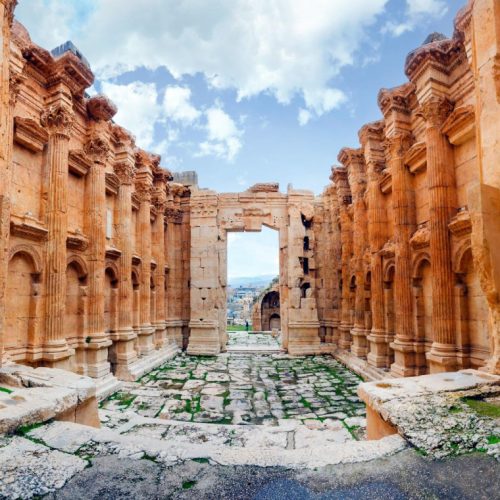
[
  {"x": 177, "y": 105},
  {"x": 304, "y": 116},
  {"x": 223, "y": 136},
  {"x": 138, "y": 109},
  {"x": 417, "y": 11},
  {"x": 286, "y": 48}
]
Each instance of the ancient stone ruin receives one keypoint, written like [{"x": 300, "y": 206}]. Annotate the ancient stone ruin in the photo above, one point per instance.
[{"x": 109, "y": 268}]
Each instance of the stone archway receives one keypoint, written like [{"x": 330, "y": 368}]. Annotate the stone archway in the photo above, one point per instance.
[{"x": 212, "y": 216}]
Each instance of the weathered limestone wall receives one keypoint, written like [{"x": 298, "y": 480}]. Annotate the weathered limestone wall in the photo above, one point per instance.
[
  {"x": 418, "y": 211},
  {"x": 212, "y": 216},
  {"x": 91, "y": 226},
  {"x": 266, "y": 313}
]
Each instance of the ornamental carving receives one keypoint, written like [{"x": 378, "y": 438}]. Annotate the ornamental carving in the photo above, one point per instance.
[
  {"x": 125, "y": 171},
  {"x": 397, "y": 145},
  {"x": 159, "y": 199},
  {"x": 396, "y": 99},
  {"x": 461, "y": 224},
  {"x": 10, "y": 6},
  {"x": 15, "y": 82},
  {"x": 97, "y": 147},
  {"x": 421, "y": 237},
  {"x": 264, "y": 187},
  {"x": 435, "y": 110},
  {"x": 58, "y": 119},
  {"x": 173, "y": 215},
  {"x": 143, "y": 191},
  {"x": 100, "y": 107}
]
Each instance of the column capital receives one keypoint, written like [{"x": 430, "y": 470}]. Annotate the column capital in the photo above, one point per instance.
[
  {"x": 397, "y": 144},
  {"x": 143, "y": 191},
  {"x": 58, "y": 119},
  {"x": 9, "y": 6},
  {"x": 435, "y": 110},
  {"x": 125, "y": 171},
  {"x": 159, "y": 198},
  {"x": 97, "y": 148}
]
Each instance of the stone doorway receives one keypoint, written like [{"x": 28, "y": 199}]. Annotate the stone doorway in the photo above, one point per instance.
[{"x": 212, "y": 216}]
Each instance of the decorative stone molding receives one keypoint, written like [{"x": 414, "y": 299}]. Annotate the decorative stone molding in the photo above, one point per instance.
[
  {"x": 421, "y": 237},
  {"x": 386, "y": 182},
  {"x": 16, "y": 80},
  {"x": 77, "y": 241},
  {"x": 9, "y": 6},
  {"x": 136, "y": 260},
  {"x": 173, "y": 215},
  {"x": 143, "y": 191},
  {"x": 112, "y": 183},
  {"x": 30, "y": 134},
  {"x": 388, "y": 250},
  {"x": 460, "y": 126},
  {"x": 58, "y": 119},
  {"x": 461, "y": 224},
  {"x": 78, "y": 163},
  {"x": 396, "y": 99},
  {"x": 113, "y": 253},
  {"x": 435, "y": 110},
  {"x": 100, "y": 107},
  {"x": 28, "y": 227},
  {"x": 264, "y": 187},
  {"x": 416, "y": 158},
  {"x": 97, "y": 148},
  {"x": 122, "y": 136},
  {"x": 125, "y": 172}
]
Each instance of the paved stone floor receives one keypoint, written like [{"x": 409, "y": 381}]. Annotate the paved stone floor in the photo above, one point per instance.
[
  {"x": 241, "y": 341},
  {"x": 245, "y": 389}
]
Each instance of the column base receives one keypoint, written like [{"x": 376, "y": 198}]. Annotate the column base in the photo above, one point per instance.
[
  {"x": 345, "y": 339},
  {"x": 174, "y": 332},
  {"x": 57, "y": 354},
  {"x": 203, "y": 338},
  {"x": 145, "y": 340},
  {"x": 380, "y": 355},
  {"x": 303, "y": 338},
  {"x": 122, "y": 353},
  {"x": 96, "y": 356},
  {"x": 442, "y": 358},
  {"x": 404, "y": 358},
  {"x": 160, "y": 335},
  {"x": 359, "y": 346}
]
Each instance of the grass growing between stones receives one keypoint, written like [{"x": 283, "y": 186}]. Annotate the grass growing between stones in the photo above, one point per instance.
[
  {"x": 7, "y": 391},
  {"x": 483, "y": 408}
]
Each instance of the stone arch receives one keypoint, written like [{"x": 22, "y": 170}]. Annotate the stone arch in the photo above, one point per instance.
[
  {"x": 269, "y": 307},
  {"x": 422, "y": 293},
  {"x": 22, "y": 300},
  {"x": 136, "y": 299},
  {"x": 472, "y": 328},
  {"x": 75, "y": 307},
  {"x": 418, "y": 261},
  {"x": 111, "y": 275},
  {"x": 275, "y": 322}
]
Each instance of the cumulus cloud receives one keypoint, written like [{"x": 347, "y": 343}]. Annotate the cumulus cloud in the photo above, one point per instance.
[
  {"x": 417, "y": 11},
  {"x": 177, "y": 105},
  {"x": 223, "y": 136},
  {"x": 287, "y": 48},
  {"x": 138, "y": 108}
]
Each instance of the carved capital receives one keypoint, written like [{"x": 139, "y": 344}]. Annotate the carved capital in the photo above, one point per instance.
[
  {"x": 159, "y": 199},
  {"x": 125, "y": 171},
  {"x": 9, "y": 5},
  {"x": 397, "y": 144},
  {"x": 100, "y": 107},
  {"x": 97, "y": 148},
  {"x": 435, "y": 110},
  {"x": 143, "y": 191},
  {"x": 15, "y": 82},
  {"x": 58, "y": 119},
  {"x": 173, "y": 215}
]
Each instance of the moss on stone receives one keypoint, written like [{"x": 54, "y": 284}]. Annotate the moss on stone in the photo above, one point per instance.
[{"x": 483, "y": 408}]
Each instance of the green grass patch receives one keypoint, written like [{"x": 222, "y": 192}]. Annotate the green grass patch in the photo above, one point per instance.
[
  {"x": 483, "y": 408},
  {"x": 493, "y": 439},
  {"x": 187, "y": 485},
  {"x": 4, "y": 389},
  {"x": 201, "y": 460},
  {"x": 238, "y": 328}
]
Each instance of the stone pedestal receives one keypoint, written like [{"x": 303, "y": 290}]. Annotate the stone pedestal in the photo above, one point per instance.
[{"x": 204, "y": 338}]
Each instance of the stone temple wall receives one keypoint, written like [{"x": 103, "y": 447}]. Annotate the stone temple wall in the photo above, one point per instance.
[
  {"x": 414, "y": 284},
  {"x": 107, "y": 265},
  {"x": 93, "y": 230},
  {"x": 266, "y": 307}
]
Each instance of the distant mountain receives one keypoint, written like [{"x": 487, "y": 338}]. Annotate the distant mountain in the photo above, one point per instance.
[{"x": 252, "y": 281}]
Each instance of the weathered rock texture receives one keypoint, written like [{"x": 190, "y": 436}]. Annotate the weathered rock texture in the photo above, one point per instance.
[
  {"x": 105, "y": 263},
  {"x": 414, "y": 284}
]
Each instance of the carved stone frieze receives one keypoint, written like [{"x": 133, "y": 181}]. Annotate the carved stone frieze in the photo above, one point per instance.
[
  {"x": 30, "y": 134},
  {"x": 421, "y": 237},
  {"x": 97, "y": 148}
]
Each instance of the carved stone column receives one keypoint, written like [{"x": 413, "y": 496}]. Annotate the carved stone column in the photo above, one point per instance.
[
  {"x": 371, "y": 136},
  {"x": 344, "y": 197},
  {"x": 160, "y": 203},
  {"x": 97, "y": 149},
  {"x": 146, "y": 330},
  {"x": 58, "y": 120},
  {"x": 354, "y": 160},
  {"x": 7, "y": 92},
  {"x": 404, "y": 224},
  {"x": 442, "y": 206},
  {"x": 124, "y": 353}
]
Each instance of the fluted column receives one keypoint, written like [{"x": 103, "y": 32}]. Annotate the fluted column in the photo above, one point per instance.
[
  {"x": 123, "y": 351},
  {"x": 146, "y": 330},
  {"x": 442, "y": 206},
  {"x": 7, "y": 100},
  {"x": 404, "y": 224},
  {"x": 346, "y": 239},
  {"x": 160, "y": 201},
  {"x": 58, "y": 120},
  {"x": 97, "y": 342}
]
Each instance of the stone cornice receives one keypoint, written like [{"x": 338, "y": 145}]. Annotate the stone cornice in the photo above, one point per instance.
[
  {"x": 147, "y": 160},
  {"x": 416, "y": 158},
  {"x": 30, "y": 134},
  {"x": 460, "y": 126},
  {"x": 373, "y": 131},
  {"x": 350, "y": 156},
  {"x": 123, "y": 138},
  {"x": 421, "y": 237},
  {"x": 112, "y": 183},
  {"x": 58, "y": 119},
  {"x": 463, "y": 18},
  {"x": 100, "y": 107},
  {"x": 71, "y": 70},
  {"x": 125, "y": 171},
  {"x": 396, "y": 99},
  {"x": 78, "y": 163},
  {"x": 77, "y": 241},
  {"x": 162, "y": 175},
  {"x": 440, "y": 54},
  {"x": 97, "y": 148},
  {"x": 461, "y": 224},
  {"x": 178, "y": 190},
  {"x": 28, "y": 227}
]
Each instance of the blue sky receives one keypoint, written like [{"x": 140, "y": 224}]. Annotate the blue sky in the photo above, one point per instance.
[{"x": 243, "y": 91}]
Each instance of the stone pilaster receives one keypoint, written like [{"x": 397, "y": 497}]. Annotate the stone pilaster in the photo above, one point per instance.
[
  {"x": 442, "y": 206},
  {"x": 345, "y": 203},
  {"x": 6, "y": 133},
  {"x": 58, "y": 120},
  {"x": 354, "y": 161},
  {"x": 371, "y": 137},
  {"x": 143, "y": 190},
  {"x": 97, "y": 149}
]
